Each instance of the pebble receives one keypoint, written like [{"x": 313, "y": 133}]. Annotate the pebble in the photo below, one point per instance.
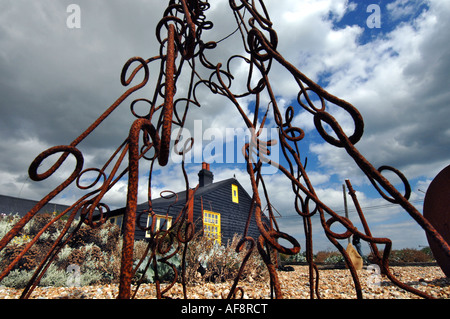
[
  {"x": 209, "y": 295},
  {"x": 333, "y": 284}
]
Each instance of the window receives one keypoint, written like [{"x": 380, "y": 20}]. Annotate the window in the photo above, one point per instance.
[
  {"x": 162, "y": 223},
  {"x": 117, "y": 220},
  {"x": 234, "y": 193},
  {"x": 211, "y": 226}
]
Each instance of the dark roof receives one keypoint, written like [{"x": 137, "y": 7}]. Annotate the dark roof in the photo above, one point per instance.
[
  {"x": 181, "y": 196},
  {"x": 21, "y": 206}
]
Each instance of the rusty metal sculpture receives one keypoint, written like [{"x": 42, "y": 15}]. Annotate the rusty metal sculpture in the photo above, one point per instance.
[
  {"x": 436, "y": 209},
  {"x": 179, "y": 34}
]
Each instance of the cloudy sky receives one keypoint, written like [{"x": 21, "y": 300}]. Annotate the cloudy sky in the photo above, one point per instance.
[{"x": 56, "y": 80}]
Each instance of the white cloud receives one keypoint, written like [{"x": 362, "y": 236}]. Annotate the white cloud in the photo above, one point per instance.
[
  {"x": 394, "y": 83},
  {"x": 308, "y": 39},
  {"x": 403, "y": 8}
]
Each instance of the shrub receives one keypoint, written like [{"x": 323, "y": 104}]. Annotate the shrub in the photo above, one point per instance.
[
  {"x": 205, "y": 261},
  {"x": 54, "y": 277},
  {"x": 221, "y": 263},
  {"x": 91, "y": 277},
  {"x": 427, "y": 251},
  {"x": 85, "y": 235},
  {"x": 332, "y": 258},
  {"x": 28, "y": 262},
  {"x": 335, "y": 259},
  {"x": 96, "y": 251},
  {"x": 300, "y": 257},
  {"x": 322, "y": 256},
  {"x": 165, "y": 271},
  {"x": 40, "y": 220},
  {"x": 409, "y": 255},
  {"x": 7, "y": 222},
  {"x": 17, "y": 279}
]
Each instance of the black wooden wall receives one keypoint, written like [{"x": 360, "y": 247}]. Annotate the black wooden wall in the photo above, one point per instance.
[{"x": 217, "y": 198}]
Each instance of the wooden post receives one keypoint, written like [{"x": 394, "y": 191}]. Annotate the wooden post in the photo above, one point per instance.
[{"x": 345, "y": 204}]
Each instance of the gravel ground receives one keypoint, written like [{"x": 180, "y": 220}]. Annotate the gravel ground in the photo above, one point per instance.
[{"x": 334, "y": 284}]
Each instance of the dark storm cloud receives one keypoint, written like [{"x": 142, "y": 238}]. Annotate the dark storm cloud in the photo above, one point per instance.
[{"x": 56, "y": 81}]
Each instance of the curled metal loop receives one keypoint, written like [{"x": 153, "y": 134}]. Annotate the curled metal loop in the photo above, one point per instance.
[
  {"x": 134, "y": 103},
  {"x": 87, "y": 213},
  {"x": 100, "y": 174},
  {"x": 321, "y": 117},
  {"x": 344, "y": 235},
  {"x": 66, "y": 150},
  {"x": 400, "y": 175},
  {"x": 142, "y": 64}
]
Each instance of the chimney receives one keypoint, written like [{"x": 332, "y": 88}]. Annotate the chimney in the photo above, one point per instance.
[{"x": 205, "y": 176}]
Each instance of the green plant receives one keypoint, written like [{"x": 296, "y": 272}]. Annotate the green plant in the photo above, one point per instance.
[
  {"x": 98, "y": 254},
  {"x": 427, "y": 251},
  {"x": 54, "y": 277},
  {"x": 335, "y": 259},
  {"x": 326, "y": 256},
  {"x": 410, "y": 255},
  {"x": 300, "y": 257},
  {"x": 7, "y": 222},
  {"x": 164, "y": 269},
  {"x": 95, "y": 251},
  {"x": 220, "y": 263},
  {"x": 17, "y": 278}
]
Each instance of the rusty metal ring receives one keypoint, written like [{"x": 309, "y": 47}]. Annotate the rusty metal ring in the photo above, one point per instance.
[
  {"x": 189, "y": 232},
  {"x": 296, "y": 134},
  {"x": 87, "y": 213},
  {"x": 334, "y": 219},
  {"x": 163, "y": 245},
  {"x": 236, "y": 7},
  {"x": 320, "y": 117},
  {"x": 272, "y": 240},
  {"x": 142, "y": 64},
  {"x": 171, "y": 194},
  {"x": 133, "y": 111},
  {"x": 259, "y": 43},
  {"x": 146, "y": 148},
  {"x": 138, "y": 220},
  {"x": 304, "y": 205},
  {"x": 400, "y": 175},
  {"x": 66, "y": 150},
  {"x": 311, "y": 108},
  {"x": 166, "y": 22},
  {"x": 100, "y": 174}
]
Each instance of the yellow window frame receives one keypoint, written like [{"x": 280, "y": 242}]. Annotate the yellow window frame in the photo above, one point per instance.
[
  {"x": 161, "y": 220},
  {"x": 234, "y": 193},
  {"x": 211, "y": 226}
]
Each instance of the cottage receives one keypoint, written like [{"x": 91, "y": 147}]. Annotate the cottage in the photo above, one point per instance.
[{"x": 221, "y": 208}]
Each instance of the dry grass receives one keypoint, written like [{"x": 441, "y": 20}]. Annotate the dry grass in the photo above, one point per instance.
[{"x": 221, "y": 263}]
